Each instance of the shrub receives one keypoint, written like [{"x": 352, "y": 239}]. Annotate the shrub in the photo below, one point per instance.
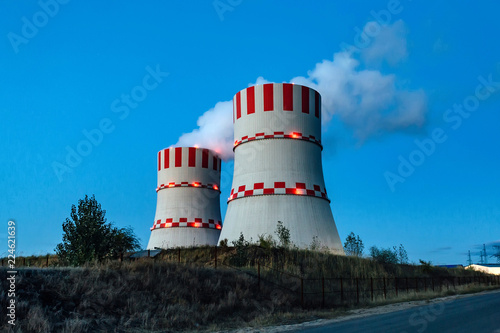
[{"x": 283, "y": 234}]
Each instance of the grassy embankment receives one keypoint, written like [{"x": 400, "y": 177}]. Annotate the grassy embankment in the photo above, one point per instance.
[{"x": 162, "y": 295}]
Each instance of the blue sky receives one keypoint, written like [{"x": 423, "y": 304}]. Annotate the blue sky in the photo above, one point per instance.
[{"x": 66, "y": 70}]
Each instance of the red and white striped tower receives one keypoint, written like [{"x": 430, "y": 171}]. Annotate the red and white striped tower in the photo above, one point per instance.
[
  {"x": 188, "y": 203},
  {"x": 278, "y": 175}
]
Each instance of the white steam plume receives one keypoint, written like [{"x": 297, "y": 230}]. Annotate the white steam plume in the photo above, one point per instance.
[
  {"x": 215, "y": 131},
  {"x": 366, "y": 100}
]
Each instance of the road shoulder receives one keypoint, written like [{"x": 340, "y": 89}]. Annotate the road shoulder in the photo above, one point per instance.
[{"x": 359, "y": 313}]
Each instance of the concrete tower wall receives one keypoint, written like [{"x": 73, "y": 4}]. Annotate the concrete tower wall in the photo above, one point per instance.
[
  {"x": 278, "y": 172},
  {"x": 188, "y": 199}
]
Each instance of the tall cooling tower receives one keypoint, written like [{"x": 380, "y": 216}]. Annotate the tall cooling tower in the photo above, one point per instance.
[
  {"x": 278, "y": 174},
  {"x": 188, "y": 203}
]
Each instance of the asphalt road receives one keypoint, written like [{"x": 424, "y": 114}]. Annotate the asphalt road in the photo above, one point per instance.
[{"x": 474, "y": 314}]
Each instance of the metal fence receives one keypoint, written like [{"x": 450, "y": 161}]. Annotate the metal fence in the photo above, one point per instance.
[{"x": 310, "y": 292}]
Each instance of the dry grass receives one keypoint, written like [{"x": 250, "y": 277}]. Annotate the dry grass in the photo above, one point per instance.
[
  {"x": 139, "y": 296},
  {"x": 163, "y": 296}
]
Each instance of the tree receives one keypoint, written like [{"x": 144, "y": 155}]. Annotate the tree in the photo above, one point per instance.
[
  {"x": 88, "y": 237},
  {"x": 241, "y": 245},
  {"x": 401, "y": 254},
  {"x": 353, "y": 245}
]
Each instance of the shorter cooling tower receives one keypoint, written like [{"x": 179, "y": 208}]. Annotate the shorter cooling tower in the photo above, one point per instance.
[{"x": 188, "y": 199}]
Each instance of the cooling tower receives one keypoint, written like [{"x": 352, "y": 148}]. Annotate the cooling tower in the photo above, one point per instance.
[
  {"x": 278, "y": 174},
  {"x": 188, "y": 199}
]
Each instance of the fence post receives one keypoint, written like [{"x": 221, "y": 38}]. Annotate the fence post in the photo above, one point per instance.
[
  {"x": 302, "y": 292},
  {"x": 323, "y": 288},
  {"x": 341, "y": 291},
  {"x": 149, "y": 253},
  {"x": 453, "y": 281},
  {"x": 357, "y": 290},
  {"x": 371, "y": 287},
  {"x": 396, "y": 284},
  {"x": 385, "y": 290},
  {"x": 24, "y": 262},
  {"x": 258, "y": 273},
  {"x": 179, "y": 256}
]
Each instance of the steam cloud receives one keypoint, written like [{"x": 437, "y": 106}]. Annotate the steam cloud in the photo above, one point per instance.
[
  {"x": 366, "y": 100},
  {"x": 215, "y": 131}
]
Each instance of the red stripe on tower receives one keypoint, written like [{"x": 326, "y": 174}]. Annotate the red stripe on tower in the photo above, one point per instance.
[
  {"x": 268, "y": 97},
  {"x": 166, "y": 157},
  {"x": 204, "y": 158},
  {"x": 287, "y": 97},
  {"x": 192, "y": 157},
  {"x": 316, "y": 104},
  {"x": 251, "y": 100},
  {"x": 238, "y": 105},
  {"x": 178, "y": 157},
  {"x": 159, "y": 160},
  {"x": 305, "y": 100}
]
